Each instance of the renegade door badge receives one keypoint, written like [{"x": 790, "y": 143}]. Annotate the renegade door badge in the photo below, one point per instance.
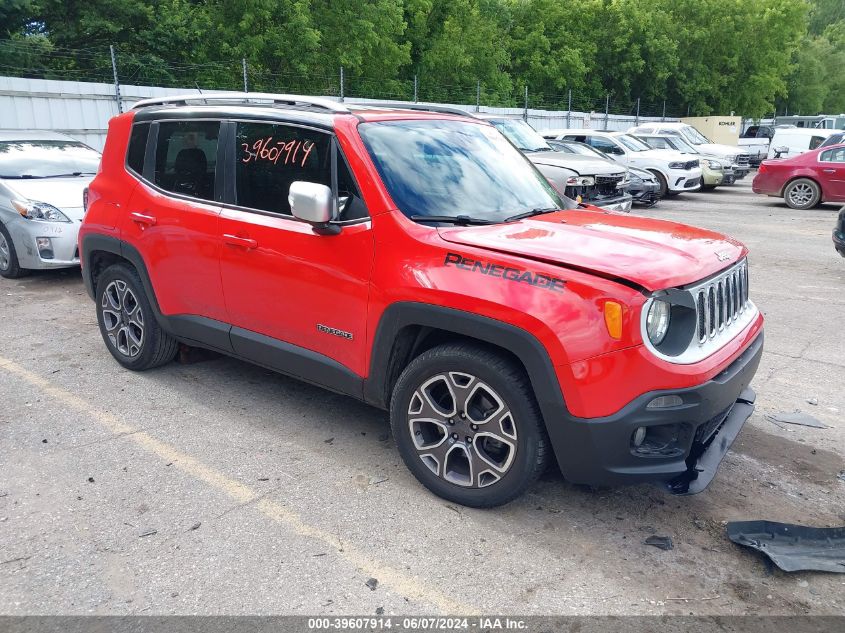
[
  {"x": 325, "y": 329},
  {"x": 505, "y": 272}
]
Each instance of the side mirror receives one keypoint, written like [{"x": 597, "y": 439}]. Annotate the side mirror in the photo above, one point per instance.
[
  {"x": 312, "y": 202},
  {"x": 781, "y": 150}
]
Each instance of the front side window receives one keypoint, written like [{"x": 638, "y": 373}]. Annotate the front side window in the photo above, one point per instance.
[
  {"x": 46, "y": 159},
  {"x": 815, "y": 141},
  {"x": 833, "y": 155},
  {"x": 604, "y": 145},
  {"x": 657, "y": 142},
  {"x": 453, "y": 168},
  {"x": 270, "y": 156},
  {"x": 186, "y": 157}
]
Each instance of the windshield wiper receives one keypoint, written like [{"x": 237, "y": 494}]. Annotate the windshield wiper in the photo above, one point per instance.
[
  {"x": 528, "y": 214},
  {"x": 71, "y": 174},
  {"x": 20, "y": 176},
  {"x": 461, "y": 220}
]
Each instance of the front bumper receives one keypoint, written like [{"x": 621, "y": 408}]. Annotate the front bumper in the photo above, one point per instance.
[
  {"x": 62, "y": 251},
  {"x": 691, "y": 437},
  {"x": 618, "y": 205},
  {"x": 684, "y": 180}
]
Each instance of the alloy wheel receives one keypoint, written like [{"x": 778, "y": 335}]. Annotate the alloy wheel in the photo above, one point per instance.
[
  {"x": 123, "y": 318},
  {"x": 801, "y": 194},
  {"x": 462, "y": 430},
  {"x": 5, "y": 253}
]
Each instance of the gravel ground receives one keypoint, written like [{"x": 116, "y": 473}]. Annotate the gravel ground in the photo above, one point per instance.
[{"x": 220, "y": 488}]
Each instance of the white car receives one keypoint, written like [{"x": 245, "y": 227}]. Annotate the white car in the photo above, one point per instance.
[
  {"x": 42, "y": 179},
  {"x": 676, "y": 172},
  {"x": 740, "y": 159},
  {"x": 790, "y": 141}
]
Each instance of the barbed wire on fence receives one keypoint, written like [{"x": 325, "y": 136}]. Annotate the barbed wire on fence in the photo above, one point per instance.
[{"x": 39, "y": 59}]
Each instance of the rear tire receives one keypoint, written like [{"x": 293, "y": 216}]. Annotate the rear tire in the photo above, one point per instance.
[
  {"x": 127, "y": 322},
  {"x": 802, "y": 193},
  {"x": 468, "y": 426},
  {"x": 9, "y": 267}
]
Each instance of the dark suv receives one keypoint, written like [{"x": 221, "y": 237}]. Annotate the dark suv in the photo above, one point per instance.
[{"x": 419, "y": 262}]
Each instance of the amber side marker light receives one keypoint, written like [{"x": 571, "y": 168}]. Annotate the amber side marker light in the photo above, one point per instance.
[{"x": 613, "y": 319}]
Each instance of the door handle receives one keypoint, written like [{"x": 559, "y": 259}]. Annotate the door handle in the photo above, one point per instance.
[
  {"x": 140, "y": 218},
  {"x": 829, "y": 171},
  {"x": 243, "y": 242}
]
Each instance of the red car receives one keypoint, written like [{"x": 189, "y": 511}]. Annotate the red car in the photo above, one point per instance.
[
  {"x": 805, "y": 180},
  {"x": 419, "y": 262}
]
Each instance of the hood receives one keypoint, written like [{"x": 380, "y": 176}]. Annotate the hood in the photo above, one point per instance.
[
  {"x": 579, "y": 163},
  {"x": 654, "y": 254},
  {"x": 718, "y": 150},
  {"x": 663, "y": 154},
  {"x": 63, "y": 193}
]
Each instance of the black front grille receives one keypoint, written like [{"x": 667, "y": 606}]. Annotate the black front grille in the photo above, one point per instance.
[
  {"x": 706, "y": 430},
  {"x": 608, "y": 185},
  {"x": 692, "y": 182},
  {"x": 743, "y": 159}
]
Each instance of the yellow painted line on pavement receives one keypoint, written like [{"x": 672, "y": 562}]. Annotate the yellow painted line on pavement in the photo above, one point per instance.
[{"x": 399, "y": 581}]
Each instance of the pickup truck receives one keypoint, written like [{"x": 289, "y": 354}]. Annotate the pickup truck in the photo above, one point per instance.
[{"x": 755, "y": 141}]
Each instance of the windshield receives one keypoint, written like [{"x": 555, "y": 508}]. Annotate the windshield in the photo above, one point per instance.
[
  {"x": 633, "y": 144},
  {"x": 522, "y": 135},
  {"x": 452, "y": 168},
  {"x": 42, "y": 159},
  {"x": 693, "y": 136}
]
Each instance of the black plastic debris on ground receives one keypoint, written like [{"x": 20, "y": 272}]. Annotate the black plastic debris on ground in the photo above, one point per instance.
[
  {"x": 801, "y": 419},
  {"x": 793, "y": 547},
  {"x": 661, "y": 542}
]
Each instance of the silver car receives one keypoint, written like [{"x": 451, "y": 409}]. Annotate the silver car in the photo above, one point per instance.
[{"x": 42, "y": 179}]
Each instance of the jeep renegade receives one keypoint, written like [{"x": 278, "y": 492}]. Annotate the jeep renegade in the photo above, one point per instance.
[{"x": 419, "y": 262}]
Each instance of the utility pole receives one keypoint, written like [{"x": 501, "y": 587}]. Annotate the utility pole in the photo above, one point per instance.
[
  {"x": 569, "y": 107},
  {"x": 606, "y": 110},
  {"x": 525, "y": 111},
  {"x": 116, "y": 81},
  {"x": 478, "y": 95},
  {"x": 341, "y": 84},
  {"x": 663, "y": 118},
  {"x": 246, "y": 84},
  {"x": 638, "y": 112},
  {"x": 415, "y": 88}
]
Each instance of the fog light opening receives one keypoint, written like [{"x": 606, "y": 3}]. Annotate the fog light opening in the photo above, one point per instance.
[
  {"x": 45, "y": 247},
  {"x": 639, "y": 436}
]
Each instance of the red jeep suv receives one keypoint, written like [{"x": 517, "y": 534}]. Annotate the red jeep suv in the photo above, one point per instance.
[{"x": 419, "y": 262}]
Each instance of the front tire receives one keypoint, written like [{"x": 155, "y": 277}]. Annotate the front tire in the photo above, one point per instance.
[
  {"x": 127, "y": 323},
  {"x": 802, "y": 193},
  {"x": 661, "y": 180},
  {"x": 9, "y": 267},
  {"x": 468, "y": 426}
]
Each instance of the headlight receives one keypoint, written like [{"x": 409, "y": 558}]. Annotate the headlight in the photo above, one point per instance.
[
  {"x": 677, "y": 165},
  {"x": 33, "y": 210},
  {"x": 657, "y": 321},
  {"x": 580, "y": 181}
]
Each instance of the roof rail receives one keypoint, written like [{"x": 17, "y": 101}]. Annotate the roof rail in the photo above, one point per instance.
[
  {"x": 413, "y": 106},
  {"x": 245, "y": 97}
]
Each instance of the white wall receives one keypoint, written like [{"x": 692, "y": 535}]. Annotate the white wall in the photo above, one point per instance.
[{"x": 82, "y": 109}]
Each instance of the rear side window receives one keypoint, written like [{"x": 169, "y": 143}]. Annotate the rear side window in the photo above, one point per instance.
[
  {"x": 833, "y": 155},
  {"x": 186, "y": 157},
  {"x": 137, "y": 147},
  {"x": 269, "y": 157}
]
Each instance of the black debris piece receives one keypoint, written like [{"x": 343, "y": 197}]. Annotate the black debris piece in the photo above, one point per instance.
[
  {"x": 329, "y": 441},
  {"x": 801, "y": 419},
  {"x": 147, "y": 533},
  {"x": 793, "y": 547},
  {"x": 380, "y": 611},
  {"x": 661, "y": 542},
  {"x": 90, "y": 480},
  {"x": 372, "y": 583},
  {"x": 195, "y": 526}
]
